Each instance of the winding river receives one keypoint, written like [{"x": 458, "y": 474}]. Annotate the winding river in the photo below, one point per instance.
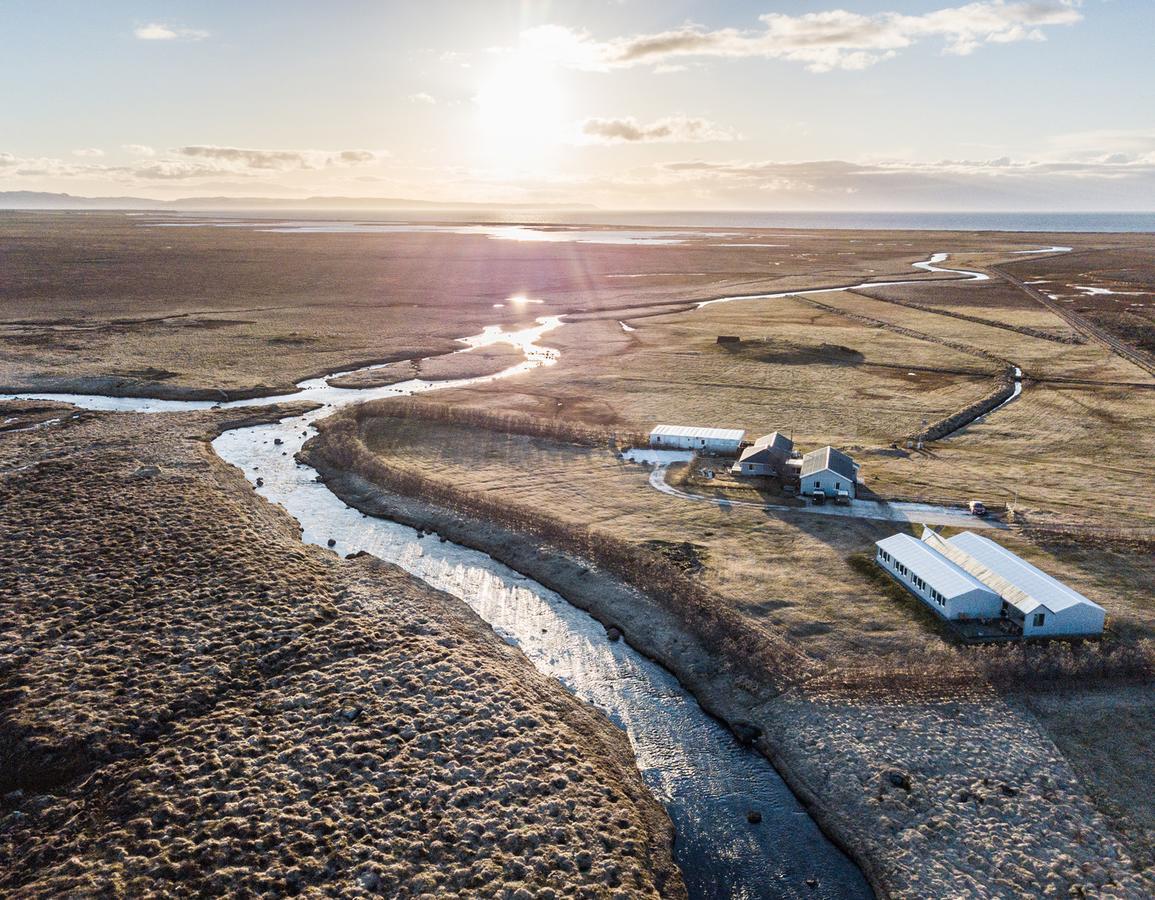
[{"x": 707, "y": 781}]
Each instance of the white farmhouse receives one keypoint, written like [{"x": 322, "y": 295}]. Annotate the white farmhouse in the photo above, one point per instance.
[
  {"x": 829, "y": 471},
  {"x": 721, "y": 441},
  {"x": 1041, "y": 605},
  {"x": 944, "y": 586}
]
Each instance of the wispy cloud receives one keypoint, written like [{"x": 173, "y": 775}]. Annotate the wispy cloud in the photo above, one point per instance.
[
  {"x": 192, "y": 162},
  {"x": 88, "y": 151},
  {"x": 673, "y": 129},
  {"x": 422, "y": 97},
  {"x": 158, "y": 31},
  {"x": 822, "y": 41},
  {"x": 279, "y": 160}
]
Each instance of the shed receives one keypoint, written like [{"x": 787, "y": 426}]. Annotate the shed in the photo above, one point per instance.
[
  {"x": 767, "y": 456},
  {"x": 1043, "y": 606},
  {"x": 756, "y": 461},
  {"x": 722, "y": 441},
  {"x": 829, "y": 471},
  {"x": 944, "y": 586}
]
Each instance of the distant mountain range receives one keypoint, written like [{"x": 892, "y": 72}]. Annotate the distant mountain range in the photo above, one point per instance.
[{"x": 49, "y": 201}]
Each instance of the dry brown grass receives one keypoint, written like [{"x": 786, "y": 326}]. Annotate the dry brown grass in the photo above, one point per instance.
[
  {"x": 784, "y": 573},
  {"x": 196, "y": 703}
]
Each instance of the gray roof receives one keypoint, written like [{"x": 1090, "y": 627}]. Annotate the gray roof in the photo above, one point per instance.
[
  {"x": 1015, "y": 579},
  {"x": 694, "y": 431},
  {"x": 764, "y": 455},
  {"x": 775, "y": 440},
  {"x": 829, "y": 458},
  {"x": 940, "y": 573}
]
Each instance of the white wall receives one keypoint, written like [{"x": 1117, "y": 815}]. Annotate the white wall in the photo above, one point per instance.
[
  {"x": 827, "y": 478},
  {"x": 976, "y": 604},
  {"x": 708, "y": 445},
  {"x": 1078, "y": 619}
]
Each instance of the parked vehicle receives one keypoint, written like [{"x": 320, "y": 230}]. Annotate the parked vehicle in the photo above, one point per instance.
[
  {"x": 977, "y": 508},
  {"x": 842, "y": 498},
  {"x": 818, "y": 497}
]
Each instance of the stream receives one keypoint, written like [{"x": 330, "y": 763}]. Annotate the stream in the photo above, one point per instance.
[{"x": 706, "y": 780}]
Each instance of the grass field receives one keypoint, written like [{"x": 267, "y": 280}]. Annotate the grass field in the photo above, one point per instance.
[
  {"x": 786, "y": 572},
  {"x": 92, "y": 297}
]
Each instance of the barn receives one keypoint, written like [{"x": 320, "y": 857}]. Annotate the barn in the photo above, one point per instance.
[
  {"x": 969, "y": 576},
  {"x": 829, "y": 471},
  {"x": 719, "y": 441},
  {"x": 767, "y": 456},
  {"x": 944, "y": 586},
  {"x": 1039, "y": 604}
]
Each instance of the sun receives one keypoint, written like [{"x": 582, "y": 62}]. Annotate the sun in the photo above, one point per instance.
[{"x": 521, "y": 111}]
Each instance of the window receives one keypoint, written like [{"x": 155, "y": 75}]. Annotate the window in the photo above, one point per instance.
[
  {"x": 1038, "y": 620},
  {"x": 817, "y": 484},
  {"x": 837, "y": 485}
]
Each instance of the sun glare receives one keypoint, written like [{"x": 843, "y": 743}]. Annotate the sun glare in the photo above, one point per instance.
[{"x": 521, "y": 111}]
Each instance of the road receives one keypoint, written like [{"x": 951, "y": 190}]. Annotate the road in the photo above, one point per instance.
[
  {"x": 905, "y": 513},
  {"x": 1082, "y": 324}
]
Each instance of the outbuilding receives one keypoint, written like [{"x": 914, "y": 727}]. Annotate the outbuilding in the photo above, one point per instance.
[
  {"x": 767, "y": 456},
  {"x": 830, "y": 471},
  {"x": 1040, "y": 605},
  {"x": 944, "y": 586},
  {"x": 720, "y": 441}
]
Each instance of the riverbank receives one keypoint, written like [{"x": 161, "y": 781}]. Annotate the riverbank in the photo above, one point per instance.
[
  {"x": 934, "y": 790},
  {"x": 194, "y": 701}
]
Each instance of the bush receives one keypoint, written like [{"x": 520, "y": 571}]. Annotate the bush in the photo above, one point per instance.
[
  {"x": 561, "y": 430},
  {"x": 707, "y": 616}
]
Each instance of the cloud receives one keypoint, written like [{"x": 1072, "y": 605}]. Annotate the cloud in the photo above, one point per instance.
[
  {"x": 674, "y": 129},
  {"x": 88, "y": 151},
  {"x": 192, "y": 162},
  {"x": 1118, "y": 145},
  {"x": 278, "y": 160},
  {"x": 822, "y": 41},
  {"x": 422, "y": 97},
  {"x": 888, "y": 184},
  {"x": 158, "y": 31}
]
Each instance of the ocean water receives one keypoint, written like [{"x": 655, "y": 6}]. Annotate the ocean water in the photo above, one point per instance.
[{"x": 1042, "y": 222}]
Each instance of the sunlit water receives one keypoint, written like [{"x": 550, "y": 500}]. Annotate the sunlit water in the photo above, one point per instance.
[
  {"x": 706, "y": 780},
  {"x": 522, "y": 233}
]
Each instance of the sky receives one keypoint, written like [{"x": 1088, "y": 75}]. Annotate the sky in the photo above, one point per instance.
[{"x": 730, "y": 104}]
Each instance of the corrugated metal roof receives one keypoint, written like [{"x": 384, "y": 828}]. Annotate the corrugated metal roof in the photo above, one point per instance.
[
  {"x": 693, "y": 431},
  {"x": 1026, "y": 586},
  {"x": 828, "y": 458},
  {"x": 775, "y": 440},
  {"x": 931, "y": 566},
  {"x": 756, "y": 454}
]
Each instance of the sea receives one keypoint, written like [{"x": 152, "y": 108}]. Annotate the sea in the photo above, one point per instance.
[{"x": 1053, "y": 222}]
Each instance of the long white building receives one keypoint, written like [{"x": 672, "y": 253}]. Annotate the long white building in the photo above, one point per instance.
[
  {"x": 969, "y": 576},
  {"x": 945, "y": 587},
  {"x": 1039, "y": 604},
  {"x": 723, "y": 441}
]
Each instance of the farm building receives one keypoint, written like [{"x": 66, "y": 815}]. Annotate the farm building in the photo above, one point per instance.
[
  {"x": 767, "y": 456},
  {"x": 756, "y": 461},
  {"x": 722, "y": 441},
  {"x": 1039, "y": 604},
  {"x": 971, "y": 577},
  {"x": 942, "y": 585},
  {"x": 829, "y": 471}
]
